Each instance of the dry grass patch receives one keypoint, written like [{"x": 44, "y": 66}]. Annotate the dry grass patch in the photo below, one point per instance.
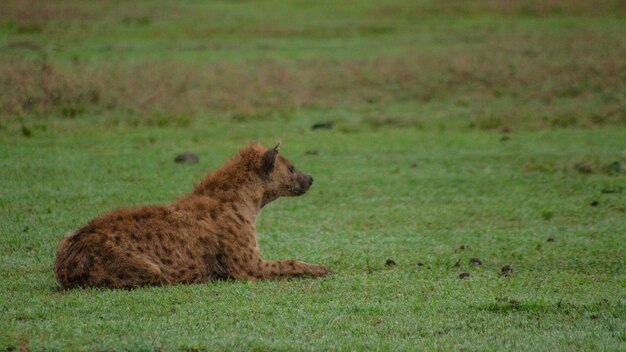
[
  {"x": 575, "y": 78},
  {"x": 539, "y": 8}
]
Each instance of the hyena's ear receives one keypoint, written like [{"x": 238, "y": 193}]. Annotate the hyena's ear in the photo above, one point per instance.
[{"x": 268, "y": 161}]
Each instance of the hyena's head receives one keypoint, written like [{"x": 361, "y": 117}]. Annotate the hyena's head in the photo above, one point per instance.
[{"x": 278, "y": 176}]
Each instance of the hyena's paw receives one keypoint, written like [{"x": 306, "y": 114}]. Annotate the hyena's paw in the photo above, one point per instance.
[{"x": 320, "y": 270}]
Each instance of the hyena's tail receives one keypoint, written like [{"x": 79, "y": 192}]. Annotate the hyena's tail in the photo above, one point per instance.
[{"x": 72, "y": 265}]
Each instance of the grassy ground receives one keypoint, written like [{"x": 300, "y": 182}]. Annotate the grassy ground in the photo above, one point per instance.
[{"x": 461, "y": 130}]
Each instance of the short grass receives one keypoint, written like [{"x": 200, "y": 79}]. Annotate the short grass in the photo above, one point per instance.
[{"x": 461, "y": 130}]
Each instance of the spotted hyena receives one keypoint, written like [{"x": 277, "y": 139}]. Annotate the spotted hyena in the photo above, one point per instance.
[{"x": 208, "y": 234}]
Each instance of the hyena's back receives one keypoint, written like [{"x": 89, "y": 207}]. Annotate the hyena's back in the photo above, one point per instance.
[{"x": 132, "y": 247}]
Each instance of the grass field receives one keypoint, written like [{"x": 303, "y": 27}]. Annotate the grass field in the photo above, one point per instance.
[{"x": 483, "y": 129}]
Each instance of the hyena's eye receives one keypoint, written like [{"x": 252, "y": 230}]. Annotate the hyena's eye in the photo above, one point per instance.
[{"x": 292, "y": 169}]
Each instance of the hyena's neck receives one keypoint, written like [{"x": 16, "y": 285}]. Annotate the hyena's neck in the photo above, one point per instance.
[
  {"x": 246, "y": 199},
  {"x": 236, "y": 187},
  {"x": 246, "y": 202}
]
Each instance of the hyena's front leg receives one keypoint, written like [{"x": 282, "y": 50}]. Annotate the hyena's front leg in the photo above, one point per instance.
[
  {"x": 257, "y": 269},
  {"x": 244, "y": 263},
  {"x": 251, "y": 267},
  {"x": 283, "y": 269}
]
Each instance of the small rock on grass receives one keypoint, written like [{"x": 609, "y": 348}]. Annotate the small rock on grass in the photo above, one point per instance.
[
  {"x": 594, "y": 203},
  {"x": 322, "y": 126},
  {"x": 506, "y": 271},
  {"x": 186, "y": 158},
  {"x": 390, "y": 262},
  {"x": 464, "y": 276},
  {"x": 26, "y": 132},
  {"x": 550, "y": 240},
  {"x": 475, "y": 262},
  {"x": 507, "y": 300}
]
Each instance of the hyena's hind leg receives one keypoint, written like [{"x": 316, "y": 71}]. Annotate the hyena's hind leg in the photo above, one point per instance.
[
  {"x": 128, "y": 270},
  {"x": 114, "y": 268}
]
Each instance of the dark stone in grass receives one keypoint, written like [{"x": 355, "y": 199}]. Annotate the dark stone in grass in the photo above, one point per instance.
[
  {"x": 311, "y": 152},
  {"x": 608, "y": 190},
  {"x": 594, "y": 203},
  {"x": 504, "y": 138},
  {"x": 322, "y": 126},
  {"x": 420, "y": 264},
  {"x": 464, "y": 276},
  {"x": 550, "y": 240},
  {"x": 186, "y": 158},
  {"x": 506, "y": 271},
  {"x": 594, "y": 317},
  {"x": 390, "y": 262},
  {"x": 507, "y": 300},
  {"x": 26, "y": 132},
  {"x": 475, "y": 261}
]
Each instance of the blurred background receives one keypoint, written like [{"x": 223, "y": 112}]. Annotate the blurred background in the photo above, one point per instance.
[{"x": 482, "y": 64}]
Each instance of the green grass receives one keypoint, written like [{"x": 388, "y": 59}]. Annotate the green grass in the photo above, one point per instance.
[
  {"x": 462, "y": 130},
  {"x": 369, "y": 204}
]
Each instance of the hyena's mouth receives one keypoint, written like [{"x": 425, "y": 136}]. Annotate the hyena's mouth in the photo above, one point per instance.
[
  {"x": 301, "y": 191},
  {"x": 304, "y": 184}
]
